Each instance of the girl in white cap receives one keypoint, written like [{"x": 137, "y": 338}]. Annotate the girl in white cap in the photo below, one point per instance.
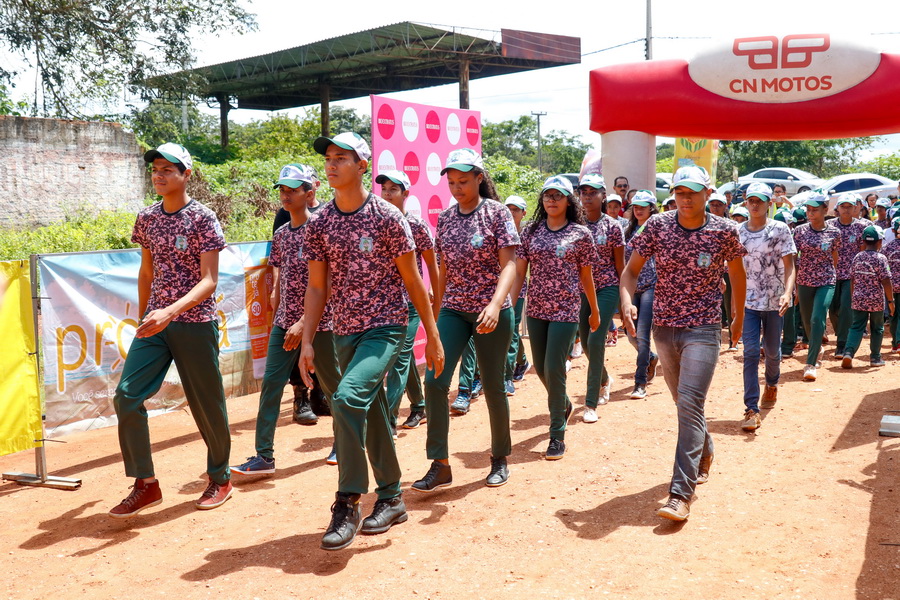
[
  {"x": 560, "y": 250},
  {"x": 476, "y": 241}
]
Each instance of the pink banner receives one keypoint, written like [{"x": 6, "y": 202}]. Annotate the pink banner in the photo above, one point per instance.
[{"x": 416, "y": 139}]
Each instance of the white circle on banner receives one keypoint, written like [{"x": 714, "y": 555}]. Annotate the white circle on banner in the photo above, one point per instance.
[
  {"x": 453, "y": 129},
  {"x": 433, "y": 168},
  {"x": 413, "y": 207},
  {"x": 386, "y": 162},
  {"x": 410, "y": 124}
]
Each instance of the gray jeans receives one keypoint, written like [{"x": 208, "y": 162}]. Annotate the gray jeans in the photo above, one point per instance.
[{"x": 689, "y": 356}]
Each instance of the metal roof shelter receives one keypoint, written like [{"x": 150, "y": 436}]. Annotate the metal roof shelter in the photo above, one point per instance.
[{"x": 393, "y": 58}]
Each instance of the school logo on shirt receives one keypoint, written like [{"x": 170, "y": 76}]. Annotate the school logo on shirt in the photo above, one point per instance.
[
  {"x": 300, "y": 252},
  {"x": 365, "y": 244},
  {"x": 704, "y": 260},
  {"x": 601, "y": 239},
  {"x": 852, "y": 239},
  {"x": 511, "y": 228},
  {"x": 826, "y": 245},
  {"x": 181, "y": 243},
  {"x": 477, "y": 240},
  {"x": 561, "y": 250}
]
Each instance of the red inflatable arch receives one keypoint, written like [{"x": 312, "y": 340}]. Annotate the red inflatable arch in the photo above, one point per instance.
[{"x": 795, "y": 87}]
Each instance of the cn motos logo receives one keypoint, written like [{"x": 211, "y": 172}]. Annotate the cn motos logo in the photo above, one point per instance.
[{"x": 792, "y": 68}]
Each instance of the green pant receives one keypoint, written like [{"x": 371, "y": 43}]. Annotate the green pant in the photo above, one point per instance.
[
  {"x": 789, "y": 332},
  {"x": 894, "y": 320},
  {"x": 858, "y": 329},
  {"x": 361, "y": 413},
  {"x": 840, "y": 312},
  {"x": 468, "y": 367},
  {"x": 594, "y": 342},
  {"x": 814, "y": 303},
  {"x": 404, "y": 375},
  {"x": 194, "y": 348},
  {"x": 456, "y": 329},
  {"x": 279, "y": 363},
  {"x": 516, "y": 354},
  {"x": 549, "y": 345}
]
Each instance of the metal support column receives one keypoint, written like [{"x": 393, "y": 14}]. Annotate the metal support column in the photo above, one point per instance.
[
  {"x": 325, "y": 93},
  {"x": 464, "y": 83}
]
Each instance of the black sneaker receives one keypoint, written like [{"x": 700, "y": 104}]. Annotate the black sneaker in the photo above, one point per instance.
[
  {"x": 556, "y": 450},
  {"x": 652, "y": 368},
  {"x": 639, "y": 392},
  {"x": 439, "y": 475},
  {"x": 344, "y": 522},
  {"x": 499, "y": 474},
  {"x": 317, "y": 401},
  {"x": 519, "y": 371},
  {"x": 385, "y": 514},
  {"x": 256, "y": 465},
  {"x": 415, "y": 418},
  {"x": 303, "y": 413}
]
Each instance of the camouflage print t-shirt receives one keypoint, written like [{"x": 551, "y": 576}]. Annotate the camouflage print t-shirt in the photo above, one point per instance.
[
  {"x": 851, "y": 236},
  {"x": 891, "y": 251},
  {"x": 869, "y": 269},
  {"x": 607, "y": 234},
  {"x": 176, "y": 241},
  {"x": 689, "y": 267},
  {"x": 556, "y": 259},
  {"x": 360, "y": 247},
  {"x": 287, "y": 255},
  {"x": 469, "y": 244},
  {"x": 815, "y": 266}
]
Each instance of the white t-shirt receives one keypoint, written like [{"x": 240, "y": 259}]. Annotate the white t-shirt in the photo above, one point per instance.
[{"x": 764, "y": 263}]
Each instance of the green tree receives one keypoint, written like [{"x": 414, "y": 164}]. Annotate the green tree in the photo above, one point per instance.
[
  {"x": 160, "y": 122},
  {"x": 513, "y": 139},
  {"x": 886, "y": 166},
  {"x": 85, "y": 53},
  {"x": 824, "y": 158},
  {"x": 563, "y": 153}
]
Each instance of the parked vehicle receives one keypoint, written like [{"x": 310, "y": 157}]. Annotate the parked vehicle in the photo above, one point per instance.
[
  {"x": 861, "y": 183},
  {"x": 663, "y": 182},
  {"x": 793, "y": 180}
]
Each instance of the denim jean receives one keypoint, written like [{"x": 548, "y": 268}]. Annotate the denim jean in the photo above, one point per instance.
[
  {"x": 690, "y": 355},
  {"x": 641, "y": 341},
  {"x": 769, "y": 324}
]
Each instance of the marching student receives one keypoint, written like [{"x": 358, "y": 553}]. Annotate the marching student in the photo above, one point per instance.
[
  {"x": 817, "y": 244},
  {"x": 871, "y": 289},
  {"x": 476, "y": 240},
  {"x": 404, "y": 375},
  {"x": 296, "y": 184},
  {"x": 516, "y": 361},
  {"x": 180, "y": 242},
  {"x": 891, "y": 251},
  {"x": 691, "y": 248},
  {"x": 560, "y": 251},
  {"x": 643, "y": 207},
  {"x": 850, "y": 229},
  {"x": 769, "y": 266},
  {"x": 361, "y": 252},
  {"x": 609, "y": 241}
]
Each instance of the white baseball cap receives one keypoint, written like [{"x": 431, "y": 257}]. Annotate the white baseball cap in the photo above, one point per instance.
[
  {"x": 692, "y": 177},
  {"x": 517, "y": 201},
  {"x": 348, "y": 141},
  {"x": 174, "y": 153},
  {"x": 398, "y": 177},
  {"x": 463, "y": 159}
]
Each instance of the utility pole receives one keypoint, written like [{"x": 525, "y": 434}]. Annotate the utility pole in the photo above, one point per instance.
[
  {"x": 649, "y": 49},
  {"x": 540, "y": 156}
]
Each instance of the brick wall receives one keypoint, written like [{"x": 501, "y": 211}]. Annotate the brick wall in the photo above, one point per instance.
[{"x": 51, "y": 169}]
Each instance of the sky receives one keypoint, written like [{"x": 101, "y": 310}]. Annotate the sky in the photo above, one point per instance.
[{"x": 607, "y": 29}]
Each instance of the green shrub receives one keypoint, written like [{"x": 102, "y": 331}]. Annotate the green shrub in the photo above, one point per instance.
[{"x": 109, "y": 230}]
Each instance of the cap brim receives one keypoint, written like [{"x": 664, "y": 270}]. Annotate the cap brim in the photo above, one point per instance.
[
  {"x": 691, "y": 185},
  {"x": 383, "y": 178},
  {"x": 459, "y": 167},
  {"x": 839, "y": 202},
  {"x": 762, "y": 197},
  {"x": 596, "y": 186},
  {"x": 814, "y": 203},
  {"x": 560, "y": 189},
  {"x": 642, "y": 203},
  {"x": 321, "y": 145},
  {"x": 291, "y": 183},
  {"x": 516, "y": 205},
  {"x": 151, "y": 155}
]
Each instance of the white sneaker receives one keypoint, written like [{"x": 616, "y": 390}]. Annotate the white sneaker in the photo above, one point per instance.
[
  {"x": 577, "y": 350},
  {"x": 568, "y": 366},
  {"x": 604, "y": 391},
  {"x": 809, "y": 373},
  {"x": 590, "y": 415}
]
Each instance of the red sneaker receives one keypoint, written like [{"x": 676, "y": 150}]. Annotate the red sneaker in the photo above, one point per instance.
[
  {"x": 216, "y": 495},
  {"x": 143, "y": 495}
]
